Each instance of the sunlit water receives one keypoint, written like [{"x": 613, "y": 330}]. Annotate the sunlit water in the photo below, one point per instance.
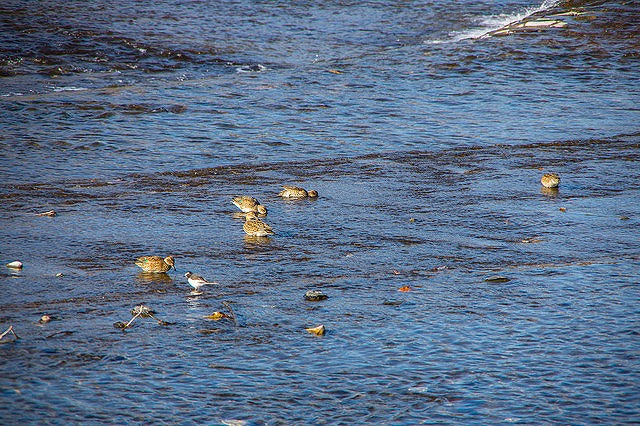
[{"x": 426, "y": 140}]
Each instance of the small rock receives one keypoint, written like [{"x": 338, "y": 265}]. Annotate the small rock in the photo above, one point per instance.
[
  {"x": 315, "y": 295},
  {"x": 15, "y": 265},
  {"x": 497, "y": 279}
]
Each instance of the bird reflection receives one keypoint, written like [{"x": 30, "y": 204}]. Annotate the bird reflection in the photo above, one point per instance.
[
  {"x": 549, "y": 192},
  {"x": 150, "y": 277},
  {"x": 253, "y": 242}
]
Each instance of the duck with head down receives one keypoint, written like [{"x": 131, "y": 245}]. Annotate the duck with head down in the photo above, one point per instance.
[
  {"x": 255, "y": 227},
  {"x": 297, "y": 192},
  {"x": 248, "y": 204}
]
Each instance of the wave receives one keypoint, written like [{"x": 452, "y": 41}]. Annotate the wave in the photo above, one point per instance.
[{"x": 486, "y": 25}]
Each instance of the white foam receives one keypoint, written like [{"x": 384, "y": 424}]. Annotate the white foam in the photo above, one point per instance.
[
  {"x": 68, "y": 89},
  {"x": 487, "y": 24}
]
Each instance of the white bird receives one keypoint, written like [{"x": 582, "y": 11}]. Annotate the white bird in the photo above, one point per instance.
[{"x": 197, "y": 281}]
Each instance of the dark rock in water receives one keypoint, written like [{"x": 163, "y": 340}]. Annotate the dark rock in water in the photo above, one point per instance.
[
  {"x": 315, "y": 295},
  {"x": 497, "y": 279}
]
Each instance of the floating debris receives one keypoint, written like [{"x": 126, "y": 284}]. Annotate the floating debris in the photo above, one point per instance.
[
  {"x": 143, "y": 311},
  {"x": 59, "y": 274},
  {"x": 315, "y": 295},
  {"x": 16, "y": 264},
  {"x": 405, "y": 288},
  {"x": 393, "y": 302},
  {"x": 50, "y": 213},
  {"x": 140, "y": 311},
  {"x": 318, "y": 331},
  {"x": 563, "y": 209},
  {"x": 531, "y": 240},
  {"x": 624, "y": 218},
  {"x": 525, "y": 26},
  {"x": 334, "y": 71},
  {"x": 45, "y": 319},
  {"x": 9, "y": 330},
  {"x": 233, "y": 315},
  {"x": 497, "y": 279},
  {"x": 217, "y": 316}
]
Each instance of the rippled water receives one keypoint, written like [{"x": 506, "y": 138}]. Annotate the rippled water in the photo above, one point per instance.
[{"x": 426, "y": 140}]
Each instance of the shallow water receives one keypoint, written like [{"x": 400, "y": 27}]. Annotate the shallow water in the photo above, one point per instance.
[{"x": 427, "y": 147}]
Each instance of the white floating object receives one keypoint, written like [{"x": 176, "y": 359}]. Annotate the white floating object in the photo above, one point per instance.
[{"x": 16, "y": 264}]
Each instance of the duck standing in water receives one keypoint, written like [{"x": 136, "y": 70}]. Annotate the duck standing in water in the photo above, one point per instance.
[
  {"x": 255, "y": 227},
  {"x": 156, "y": 264}
]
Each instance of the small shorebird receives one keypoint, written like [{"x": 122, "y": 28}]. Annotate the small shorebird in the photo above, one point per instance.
[
  {"x": 249, "y": 204},
  {"x": 156, "y": 264},
  {"x": 255, "y": 227},
  {"x": 550, "y": 180},
  {"x": 197, "y": 281},
  {"x": 297, "y": 192}
]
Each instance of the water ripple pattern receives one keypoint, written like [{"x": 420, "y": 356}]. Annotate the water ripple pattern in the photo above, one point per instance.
[{"x": 459, "y": 289}]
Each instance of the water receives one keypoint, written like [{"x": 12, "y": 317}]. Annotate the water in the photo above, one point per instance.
[{"x": 426, "y": 140}]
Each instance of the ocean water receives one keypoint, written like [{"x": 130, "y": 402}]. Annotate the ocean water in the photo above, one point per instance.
[{"x": 425, "y": 130}]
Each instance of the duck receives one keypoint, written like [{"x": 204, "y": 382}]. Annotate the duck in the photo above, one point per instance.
[
  {"x": 255, "y": 227},
  {"x": 297, "y": 192},
  {"x": 248, "y": 204},
  {"x": 550, "y": 180},
  {"x": 156, "y": 264}
]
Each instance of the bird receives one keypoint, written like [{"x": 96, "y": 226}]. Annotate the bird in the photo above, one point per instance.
[
  {"x": 255, "y": 227},
  {"x": 249, "y": 204},
  {"x": 550, "y": 180},
  {"x": 297, "y": 192},
  {"x": 156, "y": 264},
  {"x": 197, "y": 281}
]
